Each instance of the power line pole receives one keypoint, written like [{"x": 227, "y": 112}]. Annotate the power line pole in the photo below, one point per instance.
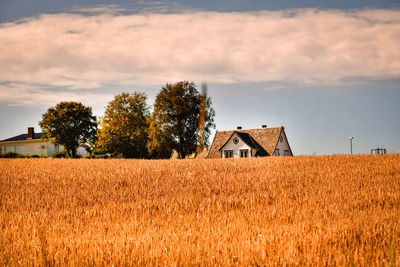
[
  {"x": 202, "y": 116},
  {"x": 351, "y": 144}
]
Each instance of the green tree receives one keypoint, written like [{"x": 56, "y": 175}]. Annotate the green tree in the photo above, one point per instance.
[
  {"x": 158, "y": 145},
  {"x": 124, "y": 126},
  {"x": 70, "y": 124},
  {"x": 175, "y": 119}
]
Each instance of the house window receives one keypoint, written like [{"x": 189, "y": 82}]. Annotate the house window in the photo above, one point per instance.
[
  {"x": 228, "y": 153},
  {"x": 244, "y": 153},
  {"x": 276, "y": 153},
  {"x": 286, "y": 152},
  {"x": 281, "y": 138}
]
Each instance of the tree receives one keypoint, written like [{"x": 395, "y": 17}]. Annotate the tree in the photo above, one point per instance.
[
  {"x": 175, "y": 119},
  {"x": 158, "y": 145},
  {"x": 70, "y": 124},
  {"x": 124, "y": 126}
]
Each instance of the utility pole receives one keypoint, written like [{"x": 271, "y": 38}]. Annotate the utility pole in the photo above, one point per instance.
[
  {"x": 351, "y": 144},
  {"x": 202, "y": 116}
]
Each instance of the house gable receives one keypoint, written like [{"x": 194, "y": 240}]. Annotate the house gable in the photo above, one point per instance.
[
  {"x": 235, "y": 144},
  {"x": 282, "y": 147},
  {"x": 244, "y": 141}
]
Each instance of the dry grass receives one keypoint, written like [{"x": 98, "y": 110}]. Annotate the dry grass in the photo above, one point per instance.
[{"x": 311, "y": 211}]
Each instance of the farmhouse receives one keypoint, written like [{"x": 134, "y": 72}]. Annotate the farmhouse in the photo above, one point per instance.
[
  {"x": 259, "y": 142},
  {"x": 31, "y": 144}
]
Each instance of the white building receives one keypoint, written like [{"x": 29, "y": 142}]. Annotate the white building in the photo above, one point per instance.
[
  {"x": 241, "y": 143},
  {"x": 32, "y": 144}
]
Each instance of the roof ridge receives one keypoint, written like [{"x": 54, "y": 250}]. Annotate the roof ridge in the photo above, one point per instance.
[{"x": 251, "y": 129}]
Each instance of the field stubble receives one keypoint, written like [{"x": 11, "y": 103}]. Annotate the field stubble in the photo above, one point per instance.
[{"x": 263, "y": 211}]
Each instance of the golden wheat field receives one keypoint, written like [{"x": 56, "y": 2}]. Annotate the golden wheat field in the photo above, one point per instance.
[{"x": 309, "y": 211}]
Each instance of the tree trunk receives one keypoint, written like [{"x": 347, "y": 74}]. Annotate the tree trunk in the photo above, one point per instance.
[
  {"x": 181, "y": 154},
  {"x": 73, "y": 152}
]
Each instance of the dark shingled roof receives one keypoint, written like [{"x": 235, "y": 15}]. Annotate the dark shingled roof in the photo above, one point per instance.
[
  {"x": 22, "y": 137},
  {"x": 266, "y": 138}
]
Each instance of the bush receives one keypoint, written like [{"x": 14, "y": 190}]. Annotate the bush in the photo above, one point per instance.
[
  {"x": 12, "y": 155},
  {"x": 59, "y": 154},
  {"x": 90, "y": 156},
  {"x": 17, "y": 155},
  {"x": 98, "y": 153}
]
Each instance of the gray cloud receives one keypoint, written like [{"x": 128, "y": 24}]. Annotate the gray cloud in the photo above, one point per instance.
[
  {"x": 20, "y": 94},
  {"x": 99, "y": 9},
  {"x": 302, "y": 46}
]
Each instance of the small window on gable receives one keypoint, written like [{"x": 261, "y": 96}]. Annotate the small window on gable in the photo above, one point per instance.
[
  {"x": 286, "y": 152},
  {"x": 244, "y": 153},
  {"x": 280, "y": 139},
  {"x": 276, "y": 153},
  {"x": 228, "y": 153},
  {"x": 236, "y": 140}
]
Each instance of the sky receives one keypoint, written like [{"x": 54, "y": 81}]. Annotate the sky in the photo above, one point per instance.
[{"x": 325, "y": 70}]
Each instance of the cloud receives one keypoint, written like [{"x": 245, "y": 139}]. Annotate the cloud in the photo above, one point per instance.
[
  {"x": 18, "y": 94},
  {"x": 302, "y": 46},
  {"x": 99, "y": 9},
  {"x": 140, "y": 7}
]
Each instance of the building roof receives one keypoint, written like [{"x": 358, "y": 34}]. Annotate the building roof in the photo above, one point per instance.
[
  {"x": 22, "y": 137},
  {"x": 266, "y": 138}
]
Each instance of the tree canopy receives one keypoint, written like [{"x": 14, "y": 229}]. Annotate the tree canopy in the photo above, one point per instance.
[
  {"x": 70, "y": 124},
  {"x": 158, "y": 145},
  {"x": 175, "y": 119},
  {"x": 124, "y": 126}
]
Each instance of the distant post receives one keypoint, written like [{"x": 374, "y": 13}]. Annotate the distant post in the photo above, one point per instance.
[{"x": 351, "y": 144}]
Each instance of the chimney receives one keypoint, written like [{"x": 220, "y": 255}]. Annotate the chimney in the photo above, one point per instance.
[
  {"x": 264, "y": 126},
  {"x": 239, "y": 127},
  {"x": 31, "y": 133}
]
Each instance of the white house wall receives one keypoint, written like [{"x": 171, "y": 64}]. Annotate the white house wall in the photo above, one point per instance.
[
  {"x": 27, "y": 148},
  {"x": 36, "y": 148},
  {"x": 81, "y": 151},
  {"x": 51, "y": 148},
  {"x": 236, "y": 147},
  {"x": 284, "y": 145}
]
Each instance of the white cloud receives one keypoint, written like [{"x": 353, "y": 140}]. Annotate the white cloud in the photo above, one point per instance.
[{"x": 305, "y": 46}]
